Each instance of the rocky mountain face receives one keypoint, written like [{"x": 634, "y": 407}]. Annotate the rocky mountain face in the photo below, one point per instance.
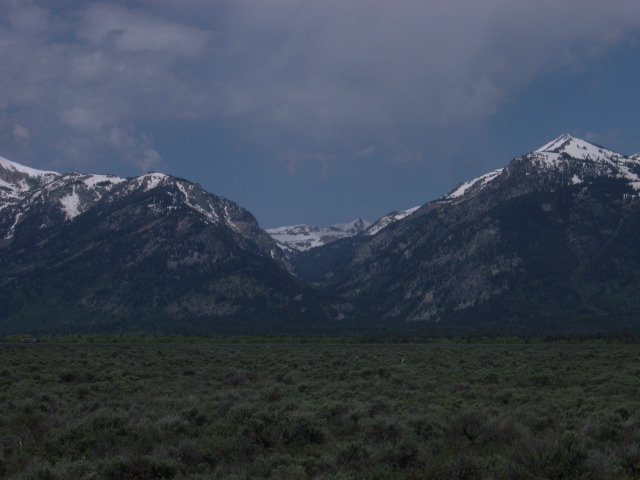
[
  {"x": 85, "y": 252},
  {"x": 550, "y": 242}
]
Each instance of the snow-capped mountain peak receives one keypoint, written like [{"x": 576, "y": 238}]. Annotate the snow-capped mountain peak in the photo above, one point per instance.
[
  {"x": 556, "y": 143},
  {"x": 564, "y": 160},
  {"x": 16, "y": 179},
  {"x": 23, "y": 169},
  {"x": 577, "y": 148},
  {"x": 150, "y": 180},
  {"x": 572, "y": 160}
]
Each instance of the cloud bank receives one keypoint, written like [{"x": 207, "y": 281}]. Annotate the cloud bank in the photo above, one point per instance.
[{"x": 307, "y": 80}]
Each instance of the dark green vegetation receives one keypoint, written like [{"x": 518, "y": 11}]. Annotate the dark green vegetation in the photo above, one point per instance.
[{"x": 322, "y": 412}]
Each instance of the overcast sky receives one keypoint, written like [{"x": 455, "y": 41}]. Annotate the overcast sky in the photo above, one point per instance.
[{"x": 313, "y": 111}]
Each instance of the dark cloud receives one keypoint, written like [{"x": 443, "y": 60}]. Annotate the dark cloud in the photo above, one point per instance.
[
  {"x": 314, "y": 81},
  {"x": 134, "y": 30},
  {"x": 390, "y": 64},
  {"x": 81, "y": 79}
]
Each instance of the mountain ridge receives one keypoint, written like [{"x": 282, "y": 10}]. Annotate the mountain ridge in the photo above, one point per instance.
[
  {"x": 546, "y": 243},
  {"x": 475, "y": 252},
  {"x": 85, "y": 252},
  {"x": 68, "y": 195}
]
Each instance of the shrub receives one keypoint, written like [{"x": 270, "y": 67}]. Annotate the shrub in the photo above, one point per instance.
[
  {"x": 461, "y": 467},
  {"x": 195, "y": 413},
  {"x": 303, "y": 430},
  {"x": 137, "y": 468},
  {"x": 552, "y": 455}
]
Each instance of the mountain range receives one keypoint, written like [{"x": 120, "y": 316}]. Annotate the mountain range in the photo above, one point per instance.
[
  {"x": 154, "y": 253},
  {"x": 546, "y": 244}
]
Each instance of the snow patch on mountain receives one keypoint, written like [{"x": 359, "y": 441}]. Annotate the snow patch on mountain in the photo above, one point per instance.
[
  {"x": 209, "y": 215},
  {"x": 150, "y": 180},
  {"x": 28, "y": 171},
  {"x": 389, "y": 219},
  {"x": 12, "y": 228},
  {"x": 6, "y": 186},
  {"x": 71, "y": 204},
  {"x": 92, "y": 180},
  {"x": 228, "y": 219},
  {"x": 479, "y": 182}
]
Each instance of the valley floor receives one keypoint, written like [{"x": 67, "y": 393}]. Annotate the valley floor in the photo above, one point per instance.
[{"x": 319, "y": 412}]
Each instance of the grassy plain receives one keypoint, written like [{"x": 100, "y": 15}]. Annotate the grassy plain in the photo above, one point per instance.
[{"x": 319, "y": 412}]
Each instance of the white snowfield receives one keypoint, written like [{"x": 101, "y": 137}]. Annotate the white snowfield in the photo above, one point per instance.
[
  {"x": 304, "y": 237},
  {"x": 92, "y": 187},
  {"x": 92, "y": 180}
]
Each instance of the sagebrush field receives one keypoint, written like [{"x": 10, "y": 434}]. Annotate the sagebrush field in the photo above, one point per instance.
[{"x": 319, "y": 412}]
